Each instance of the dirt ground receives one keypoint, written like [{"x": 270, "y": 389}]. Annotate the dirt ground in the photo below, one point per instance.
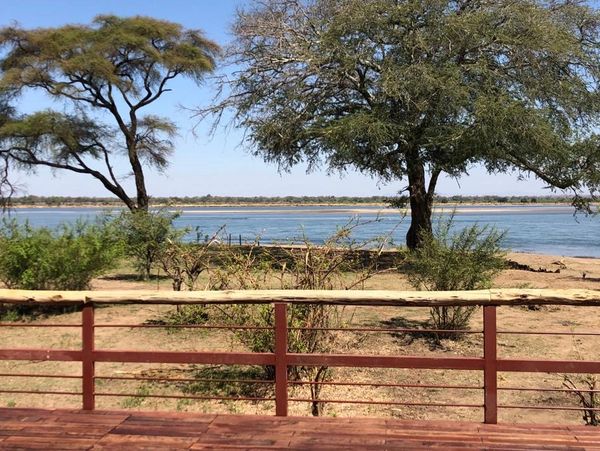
[{"x": 573, "y": 273}]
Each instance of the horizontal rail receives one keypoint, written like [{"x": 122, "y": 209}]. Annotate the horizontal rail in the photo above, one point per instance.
[
  {"x": 383, "y": 384},
  {"x": 388, "y": 330},
  {"x": 46, "y": 376},
  {"x": 51, "y": 355},
  {"x": 184, "y": 379},
  {"x": 533, "y": 332},
  {"x": 222, "y": 358},
  {"x": 334, "y": 360},
  {"x": 37, "y": 392},
  {"x": 179, "y": 326},
  {"x": 590, "y": 409},
  {"x": 565, "y": 390},
  {"x": 339, "y": 297},
  {"x": 548, "y": 366},
  {"x": 390, "y": 403},
  {"x": 375, "y": 361},
  {"x": 206, "y": 398},
  {"x": 38, "y": 325}
]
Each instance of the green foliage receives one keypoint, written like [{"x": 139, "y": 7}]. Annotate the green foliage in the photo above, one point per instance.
[
  {"x": 184, "y": 314},
  {"x": 145, "y": 235},
  {"x": 216, "y": 381},
  {"x": 464, "y": 260},
  {"x": 65, "y": 259},
  {"x": 138, "y": 399}
]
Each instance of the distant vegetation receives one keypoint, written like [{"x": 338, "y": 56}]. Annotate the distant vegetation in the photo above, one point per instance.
[{"x": 57, "y": 201}]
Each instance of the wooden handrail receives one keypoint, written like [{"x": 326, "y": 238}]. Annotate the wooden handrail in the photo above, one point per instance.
[{"x": 493, "y": 297}]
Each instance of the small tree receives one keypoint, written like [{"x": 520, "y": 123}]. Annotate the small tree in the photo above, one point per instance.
[
  {"x": 464, "y": 260},
  {"x": 114, "y": 68},
  {"x": 146, "y": 235}
]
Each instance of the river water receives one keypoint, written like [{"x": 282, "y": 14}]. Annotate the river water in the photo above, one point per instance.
[{"x": 545, "y": 229}]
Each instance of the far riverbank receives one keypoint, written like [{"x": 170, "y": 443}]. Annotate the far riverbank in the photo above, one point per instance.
[{"x": 381, "y": 205}]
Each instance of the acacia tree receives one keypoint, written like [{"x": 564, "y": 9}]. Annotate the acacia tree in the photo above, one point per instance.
[
  {"x": 106, "y": 73},
  {"x": 412, "y": 89}
]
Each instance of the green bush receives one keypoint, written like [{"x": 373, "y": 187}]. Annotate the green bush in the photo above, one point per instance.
[
  {"x": 145, "y": 234},
  {"x": 464, "y": 260},
  {"x": 63, "y": 259},
  {"x": 42, "y": 259}
]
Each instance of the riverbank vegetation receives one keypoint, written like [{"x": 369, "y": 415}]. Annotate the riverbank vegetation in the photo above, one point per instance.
[{"x": 225, "y": 201}]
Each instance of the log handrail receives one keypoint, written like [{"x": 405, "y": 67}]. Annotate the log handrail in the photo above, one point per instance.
[{"x": 492, "y": 297}]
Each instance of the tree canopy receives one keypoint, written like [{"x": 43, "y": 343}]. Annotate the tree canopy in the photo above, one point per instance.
[
  {"x": 106, "y": 72},
  {"x": 406, "y": 90}
]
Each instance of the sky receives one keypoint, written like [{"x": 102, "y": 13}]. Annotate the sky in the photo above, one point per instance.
[{"x": 203, "y": 163}]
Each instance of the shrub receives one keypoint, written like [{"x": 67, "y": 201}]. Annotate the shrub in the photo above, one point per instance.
[
  {"x": 65, "y": 259},
  {"x": 333, "y": 265},
  {"x": 585, "y": 389},
  {"x": 145, "y": 234},
  {"x": 304, "y": 267},
  {"x": 43, "y": 259},
  {"x": 183, "y": 262},
  {"x": 464, "y": 260}
]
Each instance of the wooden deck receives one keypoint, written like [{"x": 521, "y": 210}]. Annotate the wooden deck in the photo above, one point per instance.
[{"x": 70, "y": 429}]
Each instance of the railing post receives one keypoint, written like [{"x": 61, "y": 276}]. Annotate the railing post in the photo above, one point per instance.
[
  {"x": 490, "y": 370},
  {"x": 281, "y": 366},
  {"x": 87, "y": 360}
]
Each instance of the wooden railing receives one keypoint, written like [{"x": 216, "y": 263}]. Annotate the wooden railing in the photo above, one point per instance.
[{"x": 489, "y": 363}]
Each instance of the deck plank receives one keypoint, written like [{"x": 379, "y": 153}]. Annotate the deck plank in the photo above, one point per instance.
[{"x": 130, "y": 431}]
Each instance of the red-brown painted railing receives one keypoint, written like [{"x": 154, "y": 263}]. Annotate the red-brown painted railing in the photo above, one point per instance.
[{"x": 281, "y": 359}]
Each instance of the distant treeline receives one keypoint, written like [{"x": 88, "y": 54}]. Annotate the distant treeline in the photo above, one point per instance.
[{"x": 55, "y": 201}]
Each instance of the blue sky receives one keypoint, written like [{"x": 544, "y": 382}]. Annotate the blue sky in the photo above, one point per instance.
[{"x": 201, "y": 164}]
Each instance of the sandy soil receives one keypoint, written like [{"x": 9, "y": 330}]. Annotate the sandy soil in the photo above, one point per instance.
[{"x": 537, "y": 346}]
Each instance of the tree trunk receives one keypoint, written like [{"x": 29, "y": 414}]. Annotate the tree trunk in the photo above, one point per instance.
[
  {"x": 136, "y": 166},
  {"x": 421, "y": 201},
  {"x": 140, "y": 184}
]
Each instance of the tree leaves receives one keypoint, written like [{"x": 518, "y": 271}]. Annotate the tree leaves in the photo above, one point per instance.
[{"x": 349, "y": 82}]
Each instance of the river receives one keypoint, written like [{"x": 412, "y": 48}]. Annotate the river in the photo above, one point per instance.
[{"x": 544, "y": 229}]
